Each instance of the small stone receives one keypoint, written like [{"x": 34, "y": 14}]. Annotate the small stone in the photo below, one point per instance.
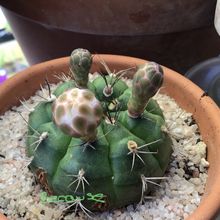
[
  {"x": 180, "y": 172},
  {"x": 200, "y": 190},
  {"x": 190, "y": 164},
  {"x": 130, "y": 208},
  {"x": 204, "y": 163},
  {"x": 117, "y": 213},
  {"x": 195, "y": 173},
  {"x": 195, "y": 181},
  {"x": 189, "y": 208},
  {"x": 181, "y": 164}
]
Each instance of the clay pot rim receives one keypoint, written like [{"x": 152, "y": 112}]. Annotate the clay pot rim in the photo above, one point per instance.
[{"x": 188, "y": 95}]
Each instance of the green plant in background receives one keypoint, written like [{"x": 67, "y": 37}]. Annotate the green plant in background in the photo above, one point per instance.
[{"x": 100, "y": 136}]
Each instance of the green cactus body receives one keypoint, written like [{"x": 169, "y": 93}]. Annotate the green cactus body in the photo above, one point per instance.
[{"x": 81, "y": 147}]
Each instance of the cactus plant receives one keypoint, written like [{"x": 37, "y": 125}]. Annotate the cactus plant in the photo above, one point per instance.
[{"x": 100, "y": 137}]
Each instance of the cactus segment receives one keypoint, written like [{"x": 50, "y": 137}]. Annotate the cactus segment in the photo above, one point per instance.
[
  {"x": 78, "y": 113},
  {"x": 146, "y": 82},
  {"x": 80, "y": 64}
]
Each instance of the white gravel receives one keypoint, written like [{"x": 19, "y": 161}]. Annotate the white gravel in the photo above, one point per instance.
[{"x": 178, "y": 196}]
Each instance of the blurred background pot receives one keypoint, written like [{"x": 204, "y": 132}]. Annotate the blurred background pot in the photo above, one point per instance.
[
  {"x": 207, "y": 76},
  {"x": 172, "y": 33},
  {"x": 187, "y": 95}
]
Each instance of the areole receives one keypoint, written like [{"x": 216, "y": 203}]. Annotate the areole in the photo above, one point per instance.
[{"x": 188, "y": 96}]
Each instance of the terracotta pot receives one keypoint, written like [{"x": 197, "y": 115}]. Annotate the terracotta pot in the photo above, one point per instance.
[
  {"x": 172, "y": 33},
  {"x": 188, "y": 95},
  {"x": 2, "y": 217}
]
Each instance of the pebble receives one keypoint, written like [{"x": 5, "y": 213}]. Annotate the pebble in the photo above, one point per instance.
[{"x": 204, "y": 163}]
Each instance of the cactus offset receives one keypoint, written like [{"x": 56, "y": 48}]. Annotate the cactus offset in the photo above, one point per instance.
[
  {"x": 146, "y": 82},
  {"x": 101, "y": 136},
  {"x": 80, "y": 63}
]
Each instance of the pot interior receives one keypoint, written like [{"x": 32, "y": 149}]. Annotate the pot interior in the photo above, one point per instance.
[{"x": 187, "y": 95}]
